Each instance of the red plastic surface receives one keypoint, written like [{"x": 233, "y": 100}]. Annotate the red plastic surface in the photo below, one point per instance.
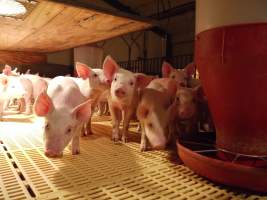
[
  {"x": 232, "y": 62},
  {"x": 225, "y": 172}
]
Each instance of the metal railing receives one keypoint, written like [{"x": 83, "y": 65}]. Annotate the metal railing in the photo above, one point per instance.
[{"x": 152, "y": 66}]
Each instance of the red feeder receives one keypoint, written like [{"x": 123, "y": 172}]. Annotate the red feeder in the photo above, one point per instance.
[{"x": 231, "y": 56}]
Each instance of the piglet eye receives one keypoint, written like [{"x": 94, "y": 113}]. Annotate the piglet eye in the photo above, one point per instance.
[
  {"x": 131, "y": 83},
  {"x": 150, "y": 125},
  {"x": 173, "y": 76},
  {"x": 115, "y": 79},
  {"x": 68, "y": 131},
  {"x": 47, "y": 126},
  {"x": 95, "y": 75}
]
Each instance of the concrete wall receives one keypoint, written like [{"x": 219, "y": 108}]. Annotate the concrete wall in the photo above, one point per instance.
[
  {"x": 89, "y": 55},
  {"x": 62, "y": 57},
  {"x": 118, "y": 49}
]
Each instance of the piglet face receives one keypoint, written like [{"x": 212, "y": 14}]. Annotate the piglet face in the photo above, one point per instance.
[
  {"x": 95, "y": 77},
  {"x": 186, "y": 103},
  {"x": 98, "y": 80},
  {"x": 59, "y": 129},
  {"x": 179, "y": 76},
  {"x": 61, "y": 124},
  {"x": 123, "y": 85},
  {"x": 123, "y": 82}
]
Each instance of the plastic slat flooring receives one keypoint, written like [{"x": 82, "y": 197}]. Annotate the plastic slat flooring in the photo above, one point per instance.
[{"x": 103, "y": 170}]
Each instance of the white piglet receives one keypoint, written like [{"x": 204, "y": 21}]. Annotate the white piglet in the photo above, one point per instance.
[
  {"x": 65, "y": 110},
  {"x": 123, "y": 98},
  {"x": 92, "y": 84}
]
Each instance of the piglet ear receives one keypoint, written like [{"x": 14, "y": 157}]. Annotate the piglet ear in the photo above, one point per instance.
[
  {"x": 82, "y": 112},
  {"x": 142, "y": 80},
  {"x": 83, "y": 71},
  {"x": 110, "y": 67},
  {"x": 28, "y": 71},
  {"x": 166, "y": 68},
  {"x": 15, "y": 71},
  {"x": 190, "y": 69},
  {"x": 3, "y": 81},
  {"x": 142, "y": 112},
  {"x": 172, "y": 87},
  {"x": 43, "y": 105}
]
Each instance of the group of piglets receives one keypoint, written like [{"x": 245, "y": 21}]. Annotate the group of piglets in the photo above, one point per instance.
[
  {"x": 166, "y": 108},
  {"x": 21, "y": 87}
]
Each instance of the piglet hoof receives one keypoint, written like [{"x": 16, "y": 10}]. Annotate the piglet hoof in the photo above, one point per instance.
[
  {"x": 124, "y": 139},
  {"x": 138, "y": 129},
  {"x": 89, "y": 133},
  {"x": 28, "y": 112},
  {"x": 206, "y": 127},
  {"x": 143, "y": 148},
  {"x": 115, "y": 139},
  {"x": 75, "y": 151}
]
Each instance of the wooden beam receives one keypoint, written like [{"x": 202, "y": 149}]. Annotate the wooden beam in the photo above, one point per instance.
[
  {"x": 120, "y": 6},
  {"x": 174, "y": 11},
  {"x": 90, "y": 6},
  {"x": 18, "y": 57}
]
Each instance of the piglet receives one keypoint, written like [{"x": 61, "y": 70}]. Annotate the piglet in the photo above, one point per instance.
[
  {"x": 65, "y": 110},
  {"x": 92, "y": 84},
  {"x": 123, "y": 97},
  {"x": 156, "y": 112},
  {"x": 187, "y": 114},
  {"x": 183, "y": 77}
]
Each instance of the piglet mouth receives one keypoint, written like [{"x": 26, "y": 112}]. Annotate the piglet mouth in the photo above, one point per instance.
[{"x": 52, "y": 154}]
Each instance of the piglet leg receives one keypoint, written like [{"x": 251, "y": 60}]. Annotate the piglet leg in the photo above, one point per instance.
[
  {"x": 75, "y": 145},
  {"x": 88, "y": 127},
  {"x": 116, "y": 119},
  {"x": 126, "y": 121},
  {"x": 143, "y": 144}
]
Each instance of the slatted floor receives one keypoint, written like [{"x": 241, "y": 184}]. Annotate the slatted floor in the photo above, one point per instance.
[{"x": 102, "y": 171}]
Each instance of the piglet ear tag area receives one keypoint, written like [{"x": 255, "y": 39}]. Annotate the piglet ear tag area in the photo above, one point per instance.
[{"x": 83, "y": 71}]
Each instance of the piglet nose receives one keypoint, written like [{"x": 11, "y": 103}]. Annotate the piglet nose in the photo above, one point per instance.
[
  {"x": 120, "y": 92},
  {"x": 51, "y": 154}
]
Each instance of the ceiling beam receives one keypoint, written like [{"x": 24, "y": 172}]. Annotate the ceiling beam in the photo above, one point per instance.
[
  {"x": 123, "y": 8},
  {"x": 91, "y": 6},
  {"x": 157, "y": 30},
  {"x": 177, "y": 10}
]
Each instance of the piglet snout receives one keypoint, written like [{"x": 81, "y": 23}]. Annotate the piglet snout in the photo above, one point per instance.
[
  {"x": 120, "y": 93},
  {"x": 52, "y": 154}
]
